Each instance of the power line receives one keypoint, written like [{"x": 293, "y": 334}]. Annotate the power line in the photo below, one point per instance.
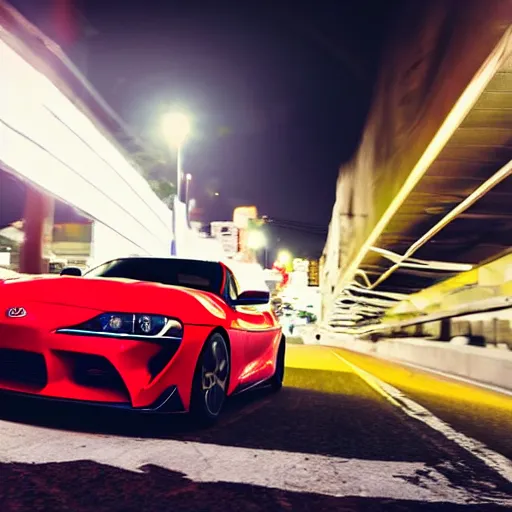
[
  {"x": 302, "y": 225},
  {"x": 298, "y": 228}
]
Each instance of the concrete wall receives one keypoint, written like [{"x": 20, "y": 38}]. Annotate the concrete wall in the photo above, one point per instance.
[
  {"x": 488, "y": 366},
  {"x": 435, "y": 49}
]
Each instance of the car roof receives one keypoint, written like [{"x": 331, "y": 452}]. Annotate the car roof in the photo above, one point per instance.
[{"x": 168, "y": 258}]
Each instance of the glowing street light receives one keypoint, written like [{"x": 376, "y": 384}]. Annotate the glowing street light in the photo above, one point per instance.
[
  {"x": 256, "y": 240},
  {"x": 176, "y": 128},
  {"x": 284, "y": 258}
]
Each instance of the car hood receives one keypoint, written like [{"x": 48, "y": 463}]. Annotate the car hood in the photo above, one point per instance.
[{"x": 118, "y": 295}]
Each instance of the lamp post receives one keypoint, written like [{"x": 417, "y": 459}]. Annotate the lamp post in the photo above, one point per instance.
[
  {"x": 176, "y": 128},
  {"x": 256, "y": 241},
  {"x": 188, "y": 179}
]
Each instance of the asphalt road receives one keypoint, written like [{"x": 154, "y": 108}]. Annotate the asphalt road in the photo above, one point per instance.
[{"x": 348, "y": 432}]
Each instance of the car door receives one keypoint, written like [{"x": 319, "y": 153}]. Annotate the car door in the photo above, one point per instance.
[{"x": 261, "y": 330}]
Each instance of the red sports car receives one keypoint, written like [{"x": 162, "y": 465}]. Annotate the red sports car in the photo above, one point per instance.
[{"x": 146, "y": 334}]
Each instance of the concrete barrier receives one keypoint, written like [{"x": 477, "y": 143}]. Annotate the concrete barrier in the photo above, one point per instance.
[
  {"x": 486, "y": 365},
  {"x": 7, "y": 274}
]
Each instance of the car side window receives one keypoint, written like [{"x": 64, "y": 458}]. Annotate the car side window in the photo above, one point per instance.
[{"x": 232, "y": 290}]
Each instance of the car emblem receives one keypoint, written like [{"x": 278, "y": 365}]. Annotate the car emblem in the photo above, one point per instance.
[{"x": 16, "y": 312}]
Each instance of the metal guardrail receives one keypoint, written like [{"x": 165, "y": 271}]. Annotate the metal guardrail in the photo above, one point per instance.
[{"x": 483, "y": 306}]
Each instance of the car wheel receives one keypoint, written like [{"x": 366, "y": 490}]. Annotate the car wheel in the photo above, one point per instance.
[
  {"x": 210, "y": 383},
  {"x": 277, "y": 380}
]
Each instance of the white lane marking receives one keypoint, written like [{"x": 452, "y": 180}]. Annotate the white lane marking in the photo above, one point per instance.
[
  {"x": 492, "y": 459},
  {"x": 451, "y": 376},
  {"x": 287, "y": 471}
]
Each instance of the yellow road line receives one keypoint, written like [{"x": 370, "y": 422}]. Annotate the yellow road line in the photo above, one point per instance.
[
  {"x": 309, "y": 357},
  {"x": 369, "y": 379}
]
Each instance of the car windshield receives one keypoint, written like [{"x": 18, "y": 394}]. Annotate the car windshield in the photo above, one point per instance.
[{"x": 200, "y": 275}]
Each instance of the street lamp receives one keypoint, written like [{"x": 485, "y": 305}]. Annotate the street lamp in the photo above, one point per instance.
[
  {"x": 256, "y": 240},
  {"x": 176, "y": 128},
  {"x": 284, "y": 258},
  {"x": 188, "y": 179}
]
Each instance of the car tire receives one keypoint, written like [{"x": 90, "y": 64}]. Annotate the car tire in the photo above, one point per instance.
[
  {"x": 211, "y": 379},
  {"x": 276, "y": 382}
]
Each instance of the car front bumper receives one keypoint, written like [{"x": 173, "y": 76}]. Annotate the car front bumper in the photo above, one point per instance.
[
  {"x": 169, "y": 402},
  {"x": 119, "y": 373}
]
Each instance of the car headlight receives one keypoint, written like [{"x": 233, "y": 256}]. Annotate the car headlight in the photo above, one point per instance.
[{"x": 128, "y": 325}]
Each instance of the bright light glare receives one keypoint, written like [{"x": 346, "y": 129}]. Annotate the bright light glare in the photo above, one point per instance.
[
  {"x": 256, "y": 240},
  {"x": 284, "y": 257},
  {"x": 176, "y": 127},
  {"x": 188, "y": 177}
]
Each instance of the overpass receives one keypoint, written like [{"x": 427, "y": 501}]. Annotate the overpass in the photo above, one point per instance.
[
  {"x": 427, "y": 196},
  {"x": 65, "y": 155}
]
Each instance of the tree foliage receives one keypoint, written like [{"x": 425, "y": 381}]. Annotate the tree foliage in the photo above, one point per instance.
[{"x": 159, "y": 169}]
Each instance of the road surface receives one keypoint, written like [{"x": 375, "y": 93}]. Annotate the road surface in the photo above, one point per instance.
[{"x": 348, "y": 432}]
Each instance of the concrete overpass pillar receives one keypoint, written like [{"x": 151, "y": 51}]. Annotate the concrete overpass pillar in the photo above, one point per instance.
[
  {"x": 38, "y": 226},
  {"x": 446, "y": 329}
]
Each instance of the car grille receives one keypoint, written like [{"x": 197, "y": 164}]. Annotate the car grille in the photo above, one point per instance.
[
  {"x": 98, "y": 372},
  {"x": 22, "y": 367}
]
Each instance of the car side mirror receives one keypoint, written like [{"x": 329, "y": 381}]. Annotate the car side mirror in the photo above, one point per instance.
[
  {"x": 71, "y": 271},
  {"x": 252, "y": 298}
]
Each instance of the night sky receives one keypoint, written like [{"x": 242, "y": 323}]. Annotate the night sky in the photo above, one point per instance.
[{"x": 278, "y": 93}]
